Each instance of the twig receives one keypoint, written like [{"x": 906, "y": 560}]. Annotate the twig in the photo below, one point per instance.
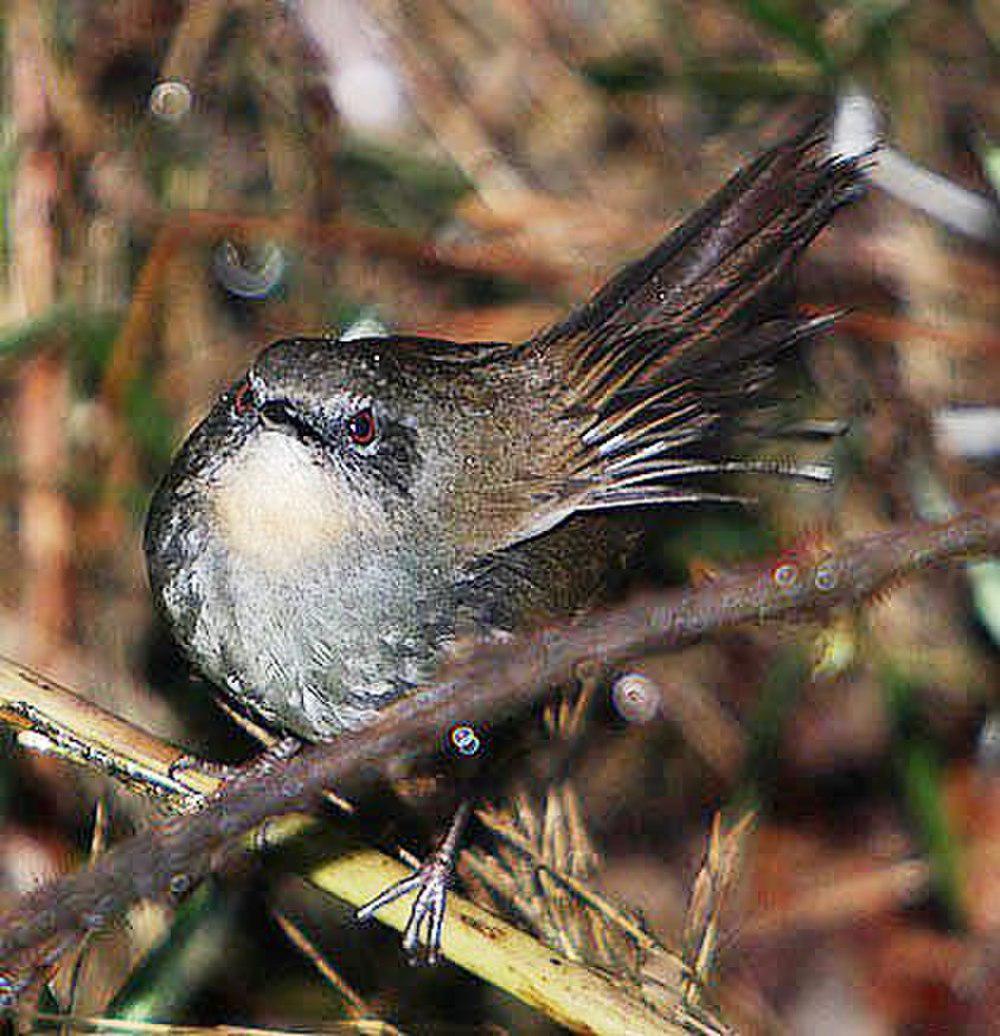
[
  {"x": 498, "y": 680},
  {"x": 55, "y": 85},
  {"x": 582, "y": 999},
  {"x": 54, "y": 718},
  {"x": 46, "y": 523},
  {"x": 832, "y": 900},
  {"x": 354, "y": 1005},
  {"x": 451, "y": 117},
  {"x": 45, "y": 1022},
  {"x": 192, "y": 39}
]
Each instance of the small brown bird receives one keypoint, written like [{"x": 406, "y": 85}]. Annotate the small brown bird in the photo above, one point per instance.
[{"x": 348, "y": 510}]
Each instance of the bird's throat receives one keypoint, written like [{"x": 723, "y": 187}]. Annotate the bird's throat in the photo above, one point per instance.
[{"x": 277, "y": 508}]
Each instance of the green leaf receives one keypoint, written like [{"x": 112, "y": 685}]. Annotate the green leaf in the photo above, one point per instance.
[
  {"x": 179, "y": 966},
  {"x": 627, "y": 73},
  {"x": 782, "y": 688},
  {"x": 148, "y": 420},
  {"x": 396, "y": 188},
  {"x": 782, "y": 21},
  {"x": 94, "y": 330},
  {"x": 920, "y": 775}
]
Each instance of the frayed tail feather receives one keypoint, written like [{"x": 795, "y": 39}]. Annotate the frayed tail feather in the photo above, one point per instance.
[{"x": 670, "y": 361}]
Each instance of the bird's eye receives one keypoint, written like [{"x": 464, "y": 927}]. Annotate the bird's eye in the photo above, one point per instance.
[
  {"x": 243, "y": 401},
  {"x": 361, "y": 427}
]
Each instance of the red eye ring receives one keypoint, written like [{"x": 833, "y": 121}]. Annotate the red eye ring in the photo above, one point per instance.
[
  {"x": 243, "y": 401},
  {"x": 361, "y": 427}
]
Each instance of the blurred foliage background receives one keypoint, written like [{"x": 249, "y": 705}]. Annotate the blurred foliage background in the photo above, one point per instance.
[{"x": 181, "y": 183}]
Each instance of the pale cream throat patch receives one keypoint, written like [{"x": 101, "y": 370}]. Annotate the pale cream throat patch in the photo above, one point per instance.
[{"x": 276, "y": 507}]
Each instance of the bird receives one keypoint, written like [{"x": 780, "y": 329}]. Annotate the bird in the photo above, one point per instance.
[{"x": 350, "y": 511}]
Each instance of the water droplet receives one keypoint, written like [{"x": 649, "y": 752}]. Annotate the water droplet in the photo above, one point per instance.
[
  {"x": 179, "y": 884},
  {"x": 170, "y": 100},
  {"x": 249, "y": 271},
  {"x": 826, "y": 577},
  {"x": 785, "y": 575},
  {"x": 465, "y": 739},
  {"x": 635, "y": 697},
  {"x": 8, "y": 993},
  {"x": 988, "y": 746}
]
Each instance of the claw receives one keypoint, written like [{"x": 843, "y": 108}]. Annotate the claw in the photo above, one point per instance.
[
  {"x": 432, "y": 880},
  {"x": 389, "y": 895},
  {"x": 192, "y": 764},
  {"x": 258, "y": 766}
]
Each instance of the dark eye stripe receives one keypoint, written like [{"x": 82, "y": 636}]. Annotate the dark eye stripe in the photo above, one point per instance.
[{"x": 280, "y": 411}]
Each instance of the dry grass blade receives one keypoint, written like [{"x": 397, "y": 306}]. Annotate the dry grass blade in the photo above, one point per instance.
[
  {"x": 508, "y": 828},
  {"x": 44, "y": 1022},
  {"x": 708, "y": 898},
  {"x": 98, "y": 842},
  {"x": 539, "y": 869},
  {"x": 353, "y": 1003}
]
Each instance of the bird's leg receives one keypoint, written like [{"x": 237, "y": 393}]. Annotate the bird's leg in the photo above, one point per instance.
[{"x": 431, "y": 881}]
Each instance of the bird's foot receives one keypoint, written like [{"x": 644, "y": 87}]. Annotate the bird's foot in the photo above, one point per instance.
[
  {"x": 432, "y": 881},
  {"x": 426, "y": 920},
  {"x": 253, "y": 769}
]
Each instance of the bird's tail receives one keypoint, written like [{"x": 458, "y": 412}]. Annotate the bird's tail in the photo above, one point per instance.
[{"x": 661, "y": 364}]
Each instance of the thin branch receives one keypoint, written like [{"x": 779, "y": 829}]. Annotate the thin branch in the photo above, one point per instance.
[
  {"x": 498, "y": 680},
  {"x": 54, "y": 719},
  {"x": 45, "y": 529},
  {"x": 44, "y": 1021}
]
